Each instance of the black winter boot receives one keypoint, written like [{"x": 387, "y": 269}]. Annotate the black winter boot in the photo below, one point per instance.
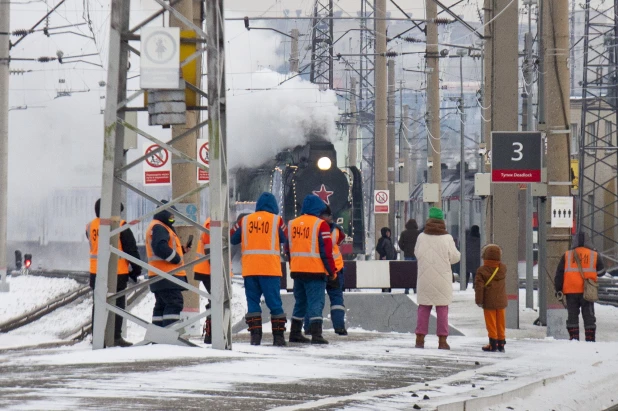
[
  {"x": 573, "y": 333},
  {"x": 121, "y": 342},
  {"x": 501, "y": 344},
  {"x": 492, "y": 346},
  {"x": 278, "y": 325},
  {"x": 254, "y": 321},
  {"x": 208, "y": 330},
  {"x": 590, "y": 335},
  {"x": 316, "y": 333},
  {"x": 296, "y": 332}
]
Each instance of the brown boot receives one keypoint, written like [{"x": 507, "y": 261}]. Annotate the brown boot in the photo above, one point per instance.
[
  {"x": 442, "y": 345},
  {"x": 420, "y": 341}
]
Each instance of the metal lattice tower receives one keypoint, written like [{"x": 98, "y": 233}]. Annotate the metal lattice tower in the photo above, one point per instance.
[
  {"x": 322, "y": 44},
  {"x": 115, "y": 168},
  {"x": 598, "y": 154}
]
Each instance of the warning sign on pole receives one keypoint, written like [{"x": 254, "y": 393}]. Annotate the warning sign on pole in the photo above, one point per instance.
[
  {"x": 203, "y": 176},
  {"x": 157, "y": 166},
  {"x": 562, "y": 212},
  {"x": 380, "y": 202}
]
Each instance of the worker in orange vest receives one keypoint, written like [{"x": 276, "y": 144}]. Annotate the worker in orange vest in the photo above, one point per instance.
[
  {"x": 576, "y": 264},
  {"x": 201, "y": 272},
  {"x": 334, "y": 288},
  {"x": 311, "y": 265},
  {"x": 125, "y": 268},
  {"x": 165, "y": 252},
  {"x": 261, "y": 235}
]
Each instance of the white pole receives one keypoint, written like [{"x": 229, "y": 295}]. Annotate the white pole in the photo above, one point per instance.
[{"x": 5, "y": 10}]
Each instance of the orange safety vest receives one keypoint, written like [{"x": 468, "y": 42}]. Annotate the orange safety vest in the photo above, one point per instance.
[
  {"x": 336, "y": 251},
  {"x": 573, "y": 281},
  {"x": 92, "y": 232},
  {"x": 304, "y": 245},
  {"x": 157, "y": 262},
  {"x": 260, "y": 244},
  {"x": 202, "y": 245}
]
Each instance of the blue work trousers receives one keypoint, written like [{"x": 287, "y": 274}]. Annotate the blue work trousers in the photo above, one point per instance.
[
  {"x": 167, "y": 308},
  {"x": 268, "y": 286},
  {"x": 309, "y": 296},
  {"x": 337, "y": 308}
]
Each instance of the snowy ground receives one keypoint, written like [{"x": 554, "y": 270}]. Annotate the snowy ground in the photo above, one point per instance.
[
  {"x": 367, "y": 370},
  {"x": 28, "y": 292}
]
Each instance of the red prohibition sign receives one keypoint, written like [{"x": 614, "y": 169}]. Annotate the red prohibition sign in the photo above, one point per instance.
[
  {"x": 204, "y": 153},
  {"x": 156, "y": 160},
  {"x": 381, "y": 197}
]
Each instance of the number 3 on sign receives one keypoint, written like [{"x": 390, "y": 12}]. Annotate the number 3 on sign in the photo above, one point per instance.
[{"x": 518, "y": 151}]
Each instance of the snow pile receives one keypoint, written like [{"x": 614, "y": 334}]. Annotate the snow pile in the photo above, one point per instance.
[{"x": 29, "y": 292}]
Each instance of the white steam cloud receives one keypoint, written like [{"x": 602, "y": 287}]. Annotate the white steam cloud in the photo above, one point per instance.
[{"x": 263, "y": 123}]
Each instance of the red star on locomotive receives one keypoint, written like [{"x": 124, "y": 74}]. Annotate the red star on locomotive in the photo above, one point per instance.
[{"x": 324, "y": 194}]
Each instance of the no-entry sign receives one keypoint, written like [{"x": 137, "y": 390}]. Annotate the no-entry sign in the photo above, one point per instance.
[
  {"x": 203, "y": 176},
  {"x": 157, "y": 166},
  {"x": 516, "y": 157},
  {"x": 380, "y": 202}
]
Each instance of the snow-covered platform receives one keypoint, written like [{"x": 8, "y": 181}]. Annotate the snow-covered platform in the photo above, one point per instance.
[{"x": 366, "y": 370}]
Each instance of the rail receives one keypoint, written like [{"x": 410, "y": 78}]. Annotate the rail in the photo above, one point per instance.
[{"x": 44, "y": 309}]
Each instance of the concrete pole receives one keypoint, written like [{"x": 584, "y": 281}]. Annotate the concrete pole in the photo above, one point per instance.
[
  {"x": 503, "y": 221},
  {"x": 219, "y": 206},
  {"x": 390, "y": 155},
  {"x": 107, "y": 263},
  {"x": 380, "y": 140},
  {"x": 5, "y": 27},
  {"x": 408, "y": 174},
  {"x": 294, "y": 51},
  {"x": 529, "y": 199},
  {"x": 555, "y": 22},
  {"x": 486, "y": 236},
  {"x": 353, "y": 128},
  {"x": 462, "y": 184},
  {"x": 433, "y": 97},
  {"x": 183, "y": 173}
]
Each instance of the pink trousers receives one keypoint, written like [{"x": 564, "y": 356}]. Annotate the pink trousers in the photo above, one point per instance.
[{"x": 422, "y": 320}]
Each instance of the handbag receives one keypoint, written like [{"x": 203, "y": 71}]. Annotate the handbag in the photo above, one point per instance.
[
  {"x": 492, "y": 276},
  {"x": 591, "y": 287}
]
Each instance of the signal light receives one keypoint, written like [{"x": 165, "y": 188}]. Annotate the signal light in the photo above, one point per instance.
[
  {"x": 28, "y": 260},
  {"x": 17, "y": 259}
]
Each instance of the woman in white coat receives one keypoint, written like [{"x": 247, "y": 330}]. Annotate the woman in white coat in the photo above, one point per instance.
[{"x": 435, "y": 251}]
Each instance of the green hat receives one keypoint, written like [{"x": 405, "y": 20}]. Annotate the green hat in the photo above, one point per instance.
[{"x": 436, "y": 213}]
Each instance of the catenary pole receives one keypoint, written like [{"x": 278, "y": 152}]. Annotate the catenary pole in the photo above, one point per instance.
[
  {"x": 434, "y": 175},
  {"x": 502, "y": 91},
  {"x": 183, "y": 173},
  {"x": 390, "y": 154},
  {"x": 528, "y": 66},
  {"x": 113, "y": 159},
  {"x": 5, "y": 27},
  {"x": 463, "y": 278},
  {"x": 294, "y": 51},
  {"x": 380, "y": 142},
  {"x": 352, "y": 128},
  {"x": 219, "y": 205},
  {"x": 555, "y": 22}
]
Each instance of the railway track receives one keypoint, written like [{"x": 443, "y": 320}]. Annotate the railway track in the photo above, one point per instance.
[{"x": 78, "y": 333}]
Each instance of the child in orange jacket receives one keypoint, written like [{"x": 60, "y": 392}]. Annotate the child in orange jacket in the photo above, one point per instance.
[{"x": 490, "y": 289}]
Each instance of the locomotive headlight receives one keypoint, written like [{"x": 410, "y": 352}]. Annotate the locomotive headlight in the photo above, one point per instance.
[{"x": 324, "y": 163}]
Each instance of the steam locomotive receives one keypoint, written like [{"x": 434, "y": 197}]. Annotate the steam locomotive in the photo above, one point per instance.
[{"x": 303, "y": 170}]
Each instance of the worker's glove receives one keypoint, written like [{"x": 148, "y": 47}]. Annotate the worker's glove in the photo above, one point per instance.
[
  {"x": 134, "y": 276},
  {"x": 332, "y": 282},
  {"x": 559, "y": 295}
]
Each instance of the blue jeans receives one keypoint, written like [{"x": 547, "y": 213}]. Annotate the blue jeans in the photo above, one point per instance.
[
  {"x": 337, "y": 309},
  {"x": 309, "y": 296},
  {"x": 267, "y": 285}
]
